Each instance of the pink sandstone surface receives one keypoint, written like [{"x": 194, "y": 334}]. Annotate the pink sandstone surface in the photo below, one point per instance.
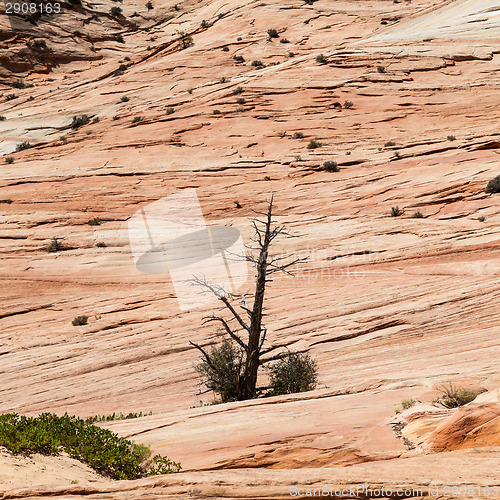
[{"x": 391, "y": 307}]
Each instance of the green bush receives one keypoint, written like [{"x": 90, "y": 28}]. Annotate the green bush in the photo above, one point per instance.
[
  {"x": 396, "y": 211},
  {"x": 149, "y": 6},
  {"x": 284, "y": 40},
  {"x": 381, "y": 69},
  {"x": 124, "y": 99},
  {"x": 223, "y": 373},
  {"x": 257, "y": 63},
  {"x": 241, "y": 100},
  {"x": 9, "y": 160},
  {"x": 331, "y": 166},
  {"x": 494, "y": 185},
  {"x": 18, "y": 84},
  {"x": 79, "y": 121},
  {"x": 23, "y": 145},
  {"x": 216, "y": 112},
  {"x": 119, "y": 38},
  {"x": 80, "y": 321},
  {"x": 451, "y": 138},
  {"x": 298, "y": 135},
  {"x": 348, "y": 104},
  {"x": 54, "y": 245},
  {"x": 313, "y": 144},
  {"x": 170, "y": 111},
  {"x": 11, "y": 97},
  {"x": 237, "y": 90},
  {"x": 115, "y": 11},
  {"x": 239, "y": 59},
  {"x": 321, "y": 59},
  {"x": 389, "y": 144},
  {"x": 2, "y": 118},
  {"x": 94, "y": 222},
  {"x": 452, "y": 397},
  {"x": 225, "y": 49},
  {"x": 101, "y": 449},
  {"x": 137, "y": 119},
  {"x": 417, "y": 215},
  {"x": 295, "y": 372},
  {"x": 273, "y": 33}
]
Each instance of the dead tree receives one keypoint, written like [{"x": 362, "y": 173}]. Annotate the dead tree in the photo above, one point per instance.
[{"x": 253, "y": 336}]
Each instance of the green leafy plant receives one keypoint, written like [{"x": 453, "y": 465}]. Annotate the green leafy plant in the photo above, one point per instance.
[
  {"x": 101, "y": 449},
  {"x": 185, "y": 39},
  {"x": 80, "y": 321},
  {"x": 216, "y": 112},
  {"x": 294, "y": 372},
  {"x": 119, "y": 38},
  {"x": 94, "y": 222},
  {"x": 348, "y": 104}
]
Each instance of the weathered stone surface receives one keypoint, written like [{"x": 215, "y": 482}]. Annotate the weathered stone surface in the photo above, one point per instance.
[{"x": 391, "y": 307}]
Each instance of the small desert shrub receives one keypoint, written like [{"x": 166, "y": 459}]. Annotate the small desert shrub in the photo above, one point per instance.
[
  {"x": 238, "y": 90},
  {"x": 11, "y": 97},
  {"x": 396, "y": 211},
  {"x": 80, "y": 321},
  {"x": 9, "y": 160},
  {"x": 298, "y": 135},
  {"x": 115, "y": 11},
  {"x": 348, "y": 104},
  {"x": 451, "y": 138},
  {"x": 137, "y": 119},
  {"x": 407, "y": 403},
  {"x": 18, "y": 84},
  {"x": 124, "y": 99},
  {"x": 79, "y": 121},
  {"x": 381, "y": 69},
  {"x": 94, "y": 222},
  {"x": 116, "y": 117},
  {"x": 321, "y": 59},
  {"x": 240, "y": 101},
  {"x": 39, "y": 43},
  {"x": 216, "y": 112},
  {"x": 100, "y": 244},
  {"x": 204, "y": 24},
  {"x": 452, "y": 397},
  {"x": 313, "y": 144},
  {"x": 225, "y": 49},
  {"x": 101, "y": 449},
  {"x": 224, "y": 372},
  {"x": 8, "y": 201},
  {"x": 389, "y": 144},
  {"x": 273, "y": 33},
  {"x": 494, "y": 185},
  {"x": 481, "y": 219},
  {"x": 119, "y": 38},
  {"x": 330, "y": 166},
  {"x": 116, "y": 416},
  {"x": 239, "y": 59},
  {"x": 170, "y": 111},
  {"x": 257, "y": 63},
  {"x": 185, "y": 39},
  {"x": 149, "y": 6},
  {"x": 54, "y": 245},
  {"x": 95, "y": 120},
  {"x": 417, "y": 215},
  {"x": 23, "y": 145},
  {"x": 2, "y": 118},
  {"x": 295, "y": 372},
  {"x": 284, "y": 40}
]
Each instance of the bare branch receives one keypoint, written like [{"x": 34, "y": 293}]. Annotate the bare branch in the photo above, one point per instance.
[
  {"x": 228, "y": 330},
  {"x": 263, "y": 338}
]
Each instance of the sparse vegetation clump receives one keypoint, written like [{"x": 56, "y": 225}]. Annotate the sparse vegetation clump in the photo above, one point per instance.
[
  {"x": 119, "y": 38},
  {"x": 23, "y": 145},
  {"x": 284, "y": 40},
  {"x": 396, "y": 211},
  {"x": 11, "y": 97},
  {"x": 80, "y": 321},
  {"x": 225, "y": 49},
  {"x": 2, "y": 118},
  {"x": 381, "y": 69},
  {"x": 94, "y": 222},
  {"x": 493, "y": 185},
  {"x": 101, "y": 449},
  {"x": 170, "y": 111},
  {"x": 54, "y": 245},
  {"x": 314, "y": 144},
  {"x": 100, "y": 244},
  {"x": 348, "y": 104},
  {"x": 115, "y": 11},
  {"x": 216, "y": 112},
  {"x": 116, "y": 416},
  {"x": 9, "y": 160},
  {"x": 239, "y": 59},
  {"x": 18, "y": 84},
  {"x": 137, "y": 119},
  {"x": 79, "y": 121},
  {"x": 294, "y": 372},
  {"x": 238, "y": 90},
  {"x": 298, "y": 135},
  {"x": 185, "y": 39},
  {"x": 321, "y": 59},
  {"x": 389, "y": 144},
  {"x": 417, "y": 215},
  {"x": 452, "y": 397},
  {"x": 331, "y": 166},
  {"x": 149, "y": 6},
  {"x": 451, "y": 138},
  {"x": 257, "y": 63},
  {"x": 273, "y": 33},
  {"x": 240, "y": 100}
]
